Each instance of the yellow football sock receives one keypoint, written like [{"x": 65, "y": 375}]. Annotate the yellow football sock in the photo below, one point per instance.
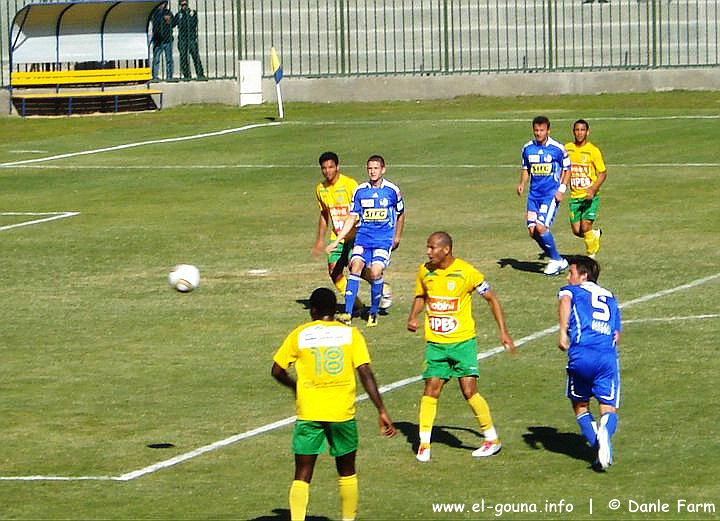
[
  {"x": 348, "y": 496},
  {"x": 428, "y": 410},
  {"x": 341, "y": 284},
  {"x": 481, "y": 410},
  {"x": 299, "y": 496},
  {"x": 591, "y": 242}
]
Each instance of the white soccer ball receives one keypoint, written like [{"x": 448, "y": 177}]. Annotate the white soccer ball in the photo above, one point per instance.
[
  {"x": 184, "y": 278},
  {"x": 387, "y": 296}
]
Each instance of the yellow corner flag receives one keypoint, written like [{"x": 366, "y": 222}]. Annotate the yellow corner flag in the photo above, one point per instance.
[{"x": 276, "y": 66}]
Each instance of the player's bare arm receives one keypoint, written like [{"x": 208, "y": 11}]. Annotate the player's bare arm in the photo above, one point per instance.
[
  {"x": 347, "y": 227},
  {"x": 563, "y": 318},
  {"x": 593, "y": 189},
  {"x": 524, "y": 176},
  {"x": 399, "y": 225},
  {"x": 282, "y": 376},
  {"x": 367, "y": 378},
  {"x": 497, "y": 313},
  {"x": 417, "y": 307},
  {"x": 564, "y": 180},
  {"x": 320, "y": 237}
]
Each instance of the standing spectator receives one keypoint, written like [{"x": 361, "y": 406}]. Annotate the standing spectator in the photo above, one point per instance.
[
  {"x": 162, "y": 38},
  {"x": 379, "y": 212},
  {"x": 545, "y": 163},
  {"x": 444, "y": 288},
  {"x": 326, "y": 355},
  {"x": 588, "y": 173},
  {"x": 590, "y": 327},
  {"x": 186, "y": 21}
]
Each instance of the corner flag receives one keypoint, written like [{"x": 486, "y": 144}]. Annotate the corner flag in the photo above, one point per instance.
[{"x": 277, "y": 70}]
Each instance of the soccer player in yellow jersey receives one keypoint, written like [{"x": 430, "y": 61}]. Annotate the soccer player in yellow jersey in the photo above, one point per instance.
[
  {"x": 588, "y": 173},
  {"x": 444, "y": 288},
  {"x": 334, "y": 197},
  {"x": 326, "y": 354}
]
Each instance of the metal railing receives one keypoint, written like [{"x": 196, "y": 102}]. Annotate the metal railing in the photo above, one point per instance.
[{"x": 317, "y": 38}]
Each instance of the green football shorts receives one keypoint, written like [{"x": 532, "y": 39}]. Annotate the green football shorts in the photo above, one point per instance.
[
  {"x": 311, "y": 437},
  {"x": 583, "y": 209},
  {"x": 342, "y": 252},
  {"x": 447, "y": 360}
]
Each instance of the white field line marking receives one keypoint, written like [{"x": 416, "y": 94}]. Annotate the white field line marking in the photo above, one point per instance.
[
  {"x": 57, "y": 478},
  {"x": 324, "y": 123},
  {"x": 383, "y": 389},
  {"x": 266, "y": 166},
  {"x": 502, "y": 120},
  {"x": 138, "y": 144},
  {"x": 53, "y": 217}
]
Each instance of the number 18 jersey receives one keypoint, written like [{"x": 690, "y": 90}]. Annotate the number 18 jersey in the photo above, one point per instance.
[{"x": 325, "y": 355}]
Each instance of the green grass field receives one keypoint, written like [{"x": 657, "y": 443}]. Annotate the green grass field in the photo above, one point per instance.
[{"x": 106, "y": 370}]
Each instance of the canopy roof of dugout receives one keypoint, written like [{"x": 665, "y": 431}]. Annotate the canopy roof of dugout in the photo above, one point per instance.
[{"x": 92, "y": 31}]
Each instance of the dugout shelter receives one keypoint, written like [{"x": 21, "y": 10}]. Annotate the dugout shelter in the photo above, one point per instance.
[{"x": 75, "y": 53}]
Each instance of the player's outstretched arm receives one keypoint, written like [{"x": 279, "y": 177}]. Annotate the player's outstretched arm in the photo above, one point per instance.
[
  {"x": 497, "y": 313},
  {"x": 282, "y": 376},
  {"x": 367, "y": 378}
]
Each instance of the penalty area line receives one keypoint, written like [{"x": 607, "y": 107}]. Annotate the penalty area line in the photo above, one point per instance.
[{"x": 383, "y": 389}]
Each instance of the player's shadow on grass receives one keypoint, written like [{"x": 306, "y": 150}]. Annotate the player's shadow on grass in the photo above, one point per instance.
[
  {"x": 283, "y": 514},
  {"x": 440, "y": 434},
  {"x": 568, "y": 443},
  {"x": 529, "y": 266}
]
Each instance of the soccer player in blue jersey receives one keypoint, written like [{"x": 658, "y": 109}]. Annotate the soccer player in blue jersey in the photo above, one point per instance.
[
  {"x": 590, "y": 332},
  {"x": 546, "y": 165},
  {"x": 378, "y": 211}
]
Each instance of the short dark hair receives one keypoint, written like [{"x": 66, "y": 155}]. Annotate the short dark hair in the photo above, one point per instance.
[
  {"x": 329, "y": 156},
  {"x": 377, "y": 158},
  {"x": 582, "y": 122},
  {"x": 443, "y": 237},
  {"x": 586, "y": 265},
  {"x": 324, "y": 301},
  {"x": 541, "y": 120}
]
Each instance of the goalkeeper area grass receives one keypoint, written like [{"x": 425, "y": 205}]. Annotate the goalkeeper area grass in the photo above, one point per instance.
[{"x": 124, "y": 399}]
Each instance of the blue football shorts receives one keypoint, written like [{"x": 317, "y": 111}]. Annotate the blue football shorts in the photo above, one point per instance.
[
  {"x": 371, "y": 255},
  {"x": 541, "y": 211},
  {"x": 595, "y": 375}
]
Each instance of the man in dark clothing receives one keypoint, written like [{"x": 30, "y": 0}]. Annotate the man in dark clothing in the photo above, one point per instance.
[
  {"x": 186, "y": 21},
  {"x": 162, "y": 38}
]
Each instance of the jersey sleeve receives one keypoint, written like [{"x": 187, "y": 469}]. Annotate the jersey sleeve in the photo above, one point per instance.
[
  {"x": 419, "y": 288},
  {"x": 399, "y": 203},
  {"x": 288, "y": 351},
  {"x": 476, "y": 281},
  {"x": 565, "y": 158},
  {"x": 361, "y": 355},
  {"x": 598, "y": 161},
  {"x": 355, "y": 207},
  {"x": 319, "y": 200},
  {"x": 565, "y": 292},
  {"x": 523, "y": 159}
]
